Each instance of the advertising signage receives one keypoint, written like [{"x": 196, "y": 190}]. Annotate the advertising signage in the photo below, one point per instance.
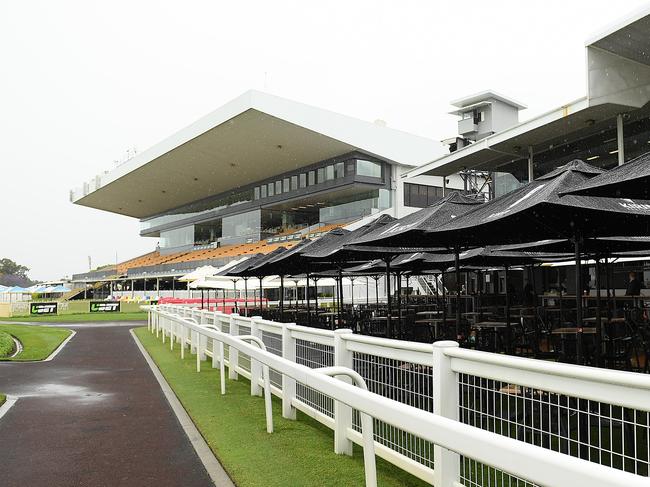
[
  {"x": 42, "y": 308},
  {"x": 104, "y": 306}
]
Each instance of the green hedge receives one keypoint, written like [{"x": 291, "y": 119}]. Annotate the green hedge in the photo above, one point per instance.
[{"x": 6, "y": 344}]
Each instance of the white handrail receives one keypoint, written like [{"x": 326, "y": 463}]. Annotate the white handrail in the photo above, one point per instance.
[{"x": 524, "y": 460}]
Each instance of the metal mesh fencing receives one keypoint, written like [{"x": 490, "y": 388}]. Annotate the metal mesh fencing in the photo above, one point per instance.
[
  {"x": 406, "y": 382},
  {"x": 314, "y": 355},
  {"x": 602, "y": 433},
  {"x": 273, "y": 342}
]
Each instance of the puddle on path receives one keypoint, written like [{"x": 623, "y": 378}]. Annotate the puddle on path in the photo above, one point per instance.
[{"x": 64, "y": 391}]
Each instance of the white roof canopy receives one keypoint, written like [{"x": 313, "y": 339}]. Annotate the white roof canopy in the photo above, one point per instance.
[{"x": 253, "y": 137}]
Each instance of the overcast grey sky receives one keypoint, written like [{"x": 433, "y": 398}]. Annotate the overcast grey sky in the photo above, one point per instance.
[{"x": 81, "y": 82}]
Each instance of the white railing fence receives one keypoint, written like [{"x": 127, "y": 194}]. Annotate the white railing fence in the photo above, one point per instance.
[{"x": 450, "y": 416}]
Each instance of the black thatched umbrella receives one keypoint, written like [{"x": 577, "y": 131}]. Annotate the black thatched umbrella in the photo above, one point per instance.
[
  {"x": 406, "y": 235},
  {"x": 293, "y": 261},
  {"x": 630, "y": 180},
  {"x": 248, "y": 268},
  {"x": 336, "y": 252},
  {"x": 538, "y": 211}
]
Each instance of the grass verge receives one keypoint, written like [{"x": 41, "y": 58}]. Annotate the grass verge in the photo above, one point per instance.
[
  {"x": 38, "y": 341},
  {"x": 298, "y": 453},
  {"x": 6, "y": 344},
  {"x": 3, "y": 398},
  {"x": 81, "y": 317}
]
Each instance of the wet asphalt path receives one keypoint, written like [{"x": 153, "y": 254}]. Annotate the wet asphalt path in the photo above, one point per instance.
[{"x": 93, "y": 416}]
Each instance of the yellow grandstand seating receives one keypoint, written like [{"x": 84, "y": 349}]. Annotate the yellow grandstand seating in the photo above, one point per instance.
[{"x": 228, "y": 251}]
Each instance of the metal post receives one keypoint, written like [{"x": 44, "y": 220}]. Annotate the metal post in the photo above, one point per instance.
[
  {"x": 578, "y": 300},
  {"x": 599, "y": 321},
  {"x": 389, "y": 310},
  {"x": 531, "y": 175},
  {"x": 444, "y": 186},
  {"x": 457, "y": 265},
  {"x": 308, "y": 301},
  {"x": 620, "y": 140},
  {"x": 508, "y": 330},
  {"x": 282, "y": 298}
]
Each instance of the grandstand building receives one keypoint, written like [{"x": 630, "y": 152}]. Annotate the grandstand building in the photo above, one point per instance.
[
  {"x": 257, "y": 173},
  {"x": 262, "y": 171}
]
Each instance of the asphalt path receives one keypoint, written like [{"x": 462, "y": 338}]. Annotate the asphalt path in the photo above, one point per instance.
[{"x": 93, "y": 416}]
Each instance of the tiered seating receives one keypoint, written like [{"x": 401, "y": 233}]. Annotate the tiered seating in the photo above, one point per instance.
[
  {"x": 152, "y": 258},
  {"x": 230, "y": 251}
]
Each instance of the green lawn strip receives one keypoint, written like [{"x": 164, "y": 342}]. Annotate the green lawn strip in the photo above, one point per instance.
[
  {"x": 6, "y": 344},
  {"x": 3, "y": 398},
  {"x": 81, "y": 317},
  {"x": 38, "y": 341},
  {"x": 298, "y": 453}
]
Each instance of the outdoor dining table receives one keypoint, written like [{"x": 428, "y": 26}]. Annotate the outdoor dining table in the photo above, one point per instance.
[
  {"x": 494, "y": 325},
  {"x": 428, "y": 322}
]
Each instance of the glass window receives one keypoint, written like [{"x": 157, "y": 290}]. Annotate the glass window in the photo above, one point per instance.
[
  {"x": 256, "y": 193},
  {"x": 271, "y": 187},
  {"x": 329, "y": 173},
  {"x": 294, "y": 183},
  {"x": 263, "y": 191},
  {"x": 240, "y": 228},
  {"x": 339, "y": 170},
  {"x": 321, "y": 175},
  {"x": 303, "y": 180},
  {"x": 177, "y": 237},
  {"x": 368, "y": 168},
  {"x": 311, "y": 178},
  {"x": 285, "y": 185},
  {"x": 278, "y": 187}
]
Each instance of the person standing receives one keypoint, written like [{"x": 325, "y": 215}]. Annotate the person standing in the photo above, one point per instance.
[{"x": 633, "y": 285}]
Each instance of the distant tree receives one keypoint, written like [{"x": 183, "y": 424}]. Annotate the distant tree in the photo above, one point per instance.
[{"x": 12, "y": 274}]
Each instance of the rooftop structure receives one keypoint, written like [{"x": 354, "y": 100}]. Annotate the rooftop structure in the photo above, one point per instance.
[{"x": 608, "y": 126}]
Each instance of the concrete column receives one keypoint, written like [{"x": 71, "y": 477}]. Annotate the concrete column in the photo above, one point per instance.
[
  {"x": 531, "y": 176},
  {"x": 619, "y": 139}
]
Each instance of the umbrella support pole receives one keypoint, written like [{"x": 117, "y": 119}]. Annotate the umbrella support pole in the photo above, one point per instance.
[
  {"x": 398, "y": 278},
  {"x": 509, "y": 349},
  {"x": 281, "y": 299},
  {"x": 599, "y": 323},
  {"x": 389, "y": 311},
  {"x": 578, "y": 300},
  {"x": 457, "y": 267},
  {"x": 245, "y": 297},
  {"x": 308, "y": 302},
  {"x": 444, "y": 301}
]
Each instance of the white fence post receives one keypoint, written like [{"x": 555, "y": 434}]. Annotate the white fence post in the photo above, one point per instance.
[
  {"x": 342, "y": 412},
  {"x": 202, "y": 340},
  {"x": 256, "y": 367},
  {"x": 216, "y": 356},
  {"x": 288, "y": 383},
  {"x": 233, "y": 354},
  {"x": 445, "y": 403}
]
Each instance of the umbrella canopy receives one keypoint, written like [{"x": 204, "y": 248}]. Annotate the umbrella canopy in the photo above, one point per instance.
[
  {"x": 407, "y": 232},
  {"x": 337, "y": 249},
  {"x": 60, "y": 289},
  {"x": 293, "y": 261},
  {"x": 630, "y": 180},
  {"x": 199, "y": 273},
  {"x": 537, "y": 211},
  {"x": 592, "y": 246}
]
